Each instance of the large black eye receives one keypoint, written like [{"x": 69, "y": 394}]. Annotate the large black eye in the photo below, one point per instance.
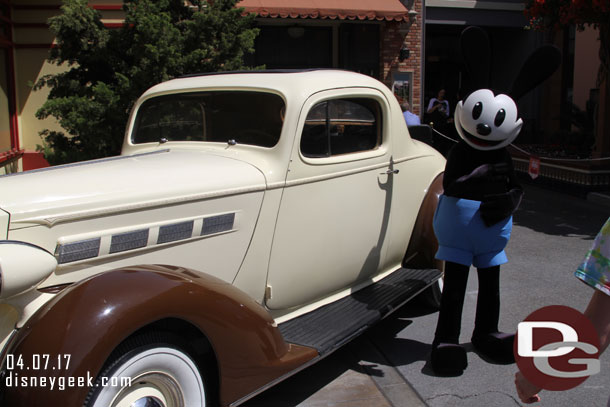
[
  {"x": 477, "y": 110},
  {"x": 500, "y": 116}
]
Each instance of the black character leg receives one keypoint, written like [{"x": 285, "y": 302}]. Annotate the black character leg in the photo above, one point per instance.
[
  {"x": 447, "y": 356},
  {"x": 452, "y": 302},
  {"x": 488, "y": 301},
  {"x": 489, "y": 342}
]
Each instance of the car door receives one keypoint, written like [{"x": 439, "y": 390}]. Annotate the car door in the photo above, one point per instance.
[{"x": 333, "y": 221}]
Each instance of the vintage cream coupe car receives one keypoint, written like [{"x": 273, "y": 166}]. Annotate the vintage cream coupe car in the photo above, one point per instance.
[{"x": 253, "y": 224}]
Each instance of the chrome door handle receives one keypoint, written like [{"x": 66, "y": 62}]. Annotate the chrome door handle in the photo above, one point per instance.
[{"x": 391, "y": 172}]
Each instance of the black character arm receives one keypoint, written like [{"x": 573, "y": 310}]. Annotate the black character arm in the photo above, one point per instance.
[
  {"x": 471, "y": 185},
  {"x": 500, "y": 206},
  {"x": 496, "y": 207}
]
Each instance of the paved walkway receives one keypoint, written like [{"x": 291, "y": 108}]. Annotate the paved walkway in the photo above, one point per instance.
[{"x": 345, "y": 378}]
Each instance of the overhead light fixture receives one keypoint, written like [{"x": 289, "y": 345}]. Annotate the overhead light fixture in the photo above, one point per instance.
[
  {"x": 296, "y": 32},
  {"x": 404, "y": 54}
]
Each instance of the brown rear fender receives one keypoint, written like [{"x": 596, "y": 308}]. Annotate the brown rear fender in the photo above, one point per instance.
[
  {"x": 423, "y": 244},
  {"x": 88, "y": 320}
]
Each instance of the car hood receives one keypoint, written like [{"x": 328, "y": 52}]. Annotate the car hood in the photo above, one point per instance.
[{"x": 123, "y": 183}]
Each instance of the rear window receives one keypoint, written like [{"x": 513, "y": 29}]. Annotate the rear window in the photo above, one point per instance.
[{"x": 253, "y": 118}]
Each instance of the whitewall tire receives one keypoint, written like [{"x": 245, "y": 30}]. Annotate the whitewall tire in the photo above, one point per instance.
[{"x": 161, "y": 376}]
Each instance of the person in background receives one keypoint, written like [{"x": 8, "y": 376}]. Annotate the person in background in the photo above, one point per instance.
[
  {"x": 595, "y": 272},
  {"x": 411, "y": 118},
  {"x": 438, "y": 107},
  {"x": 438, "y": 115}
]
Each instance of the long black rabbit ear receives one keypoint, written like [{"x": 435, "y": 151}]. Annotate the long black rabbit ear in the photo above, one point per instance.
[
  {"x": 540, "y": 65},
  {"x": 477, "y": 56}
]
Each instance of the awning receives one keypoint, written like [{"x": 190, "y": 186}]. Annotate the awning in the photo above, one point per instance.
[{"x": 391, "y": 10}]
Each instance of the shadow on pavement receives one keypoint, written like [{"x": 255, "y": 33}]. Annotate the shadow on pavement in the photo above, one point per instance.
[
  {"x": 410, "y": 351},
  {"x": 297, "y": 389},
  {"x": 557, "y": 214},
  {"x": 303, "y": 385}
]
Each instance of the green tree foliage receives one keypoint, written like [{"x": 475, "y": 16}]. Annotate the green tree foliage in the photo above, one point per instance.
[
  {"x": 108, "y": 69},
  {"x": 560, "y": 14}
]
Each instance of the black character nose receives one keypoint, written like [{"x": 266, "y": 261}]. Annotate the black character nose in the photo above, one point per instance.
[{"x": 483, "y": 129}]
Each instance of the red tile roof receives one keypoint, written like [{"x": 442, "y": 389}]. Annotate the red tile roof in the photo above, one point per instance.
[{"x": 331, "y": 9}]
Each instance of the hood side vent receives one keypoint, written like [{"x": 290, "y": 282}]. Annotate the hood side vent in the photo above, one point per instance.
[
  {"x": 177, "y": 231},
  {"x": 218, "y": 224},
  {"x": 108, "y": 243},
  {"x": 84, "y": 249},
  {"x": 128, "y": 241}
]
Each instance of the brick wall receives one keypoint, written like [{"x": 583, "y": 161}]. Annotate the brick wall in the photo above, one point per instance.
[{"x": 392, "y": 41}]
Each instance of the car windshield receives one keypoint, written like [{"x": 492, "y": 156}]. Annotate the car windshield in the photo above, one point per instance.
[{"x": 240, "y": 117}]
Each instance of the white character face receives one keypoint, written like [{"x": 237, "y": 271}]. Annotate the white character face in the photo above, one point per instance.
[{"x": 487, "y": 122}]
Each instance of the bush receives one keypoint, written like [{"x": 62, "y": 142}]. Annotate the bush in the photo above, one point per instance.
[{"x": 110, "y": 68}]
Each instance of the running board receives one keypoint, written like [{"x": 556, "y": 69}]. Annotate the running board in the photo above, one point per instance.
[{"x": 335, "y": 324}]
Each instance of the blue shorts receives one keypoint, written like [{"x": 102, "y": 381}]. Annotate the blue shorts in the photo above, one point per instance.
[{"x": 463, "y": 237}]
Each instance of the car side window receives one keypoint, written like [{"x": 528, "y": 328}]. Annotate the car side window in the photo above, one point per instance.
[{"x": 341, "y": 126}]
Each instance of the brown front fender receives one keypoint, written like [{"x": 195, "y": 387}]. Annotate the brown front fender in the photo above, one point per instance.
[
  {"x": 89, "y": 319},
  {"x": 423, "y": 244}
]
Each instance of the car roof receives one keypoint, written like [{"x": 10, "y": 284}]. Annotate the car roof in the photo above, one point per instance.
[
  {"x": 258, "y": 71},
  {"x": 304, "y": 82}
]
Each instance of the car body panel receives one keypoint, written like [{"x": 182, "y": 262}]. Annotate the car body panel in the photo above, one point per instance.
[
  {"x": 163, "y": 199},
  {"x": 90, "y": 319},
  {"x": 422, "y": 250},
  {"x": 319, "y": 260},
  {"x": 363, "y": 241},
  {"x": 4, "y": 222},
  {"x": 72, "y": 192}
]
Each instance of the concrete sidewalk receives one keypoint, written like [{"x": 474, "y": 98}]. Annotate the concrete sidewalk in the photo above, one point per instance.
[{"x": 345, "y": 378}]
